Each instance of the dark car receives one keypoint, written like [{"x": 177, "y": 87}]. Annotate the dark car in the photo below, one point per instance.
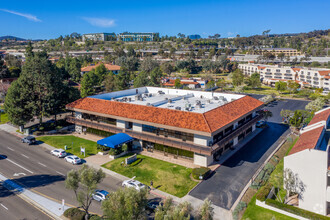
[
  {"x": 259, "y": 124},
  {"x": 153, "y": 204},
  {"x": 29, "y": 139}
]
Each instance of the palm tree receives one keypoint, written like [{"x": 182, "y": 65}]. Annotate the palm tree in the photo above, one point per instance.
[{"x": 267, "y": 114}]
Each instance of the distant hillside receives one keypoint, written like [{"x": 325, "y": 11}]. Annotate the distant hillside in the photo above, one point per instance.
[{"x": 11, "y": 37}]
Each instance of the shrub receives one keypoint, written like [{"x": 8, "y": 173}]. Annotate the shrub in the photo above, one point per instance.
[
  {"x": 37, "y": 133},
  {"x": 295, "y": 210},
  {"x": 203, "y": 171},
  {"x": 240, "y": 207},
  {"x": 113, "y": 151},
  {"x": 74, "y": 214},
  {"x": 264, "y": 191},
  {"x": 95, "y": 217},
  {"x": 102, "y": 148}
]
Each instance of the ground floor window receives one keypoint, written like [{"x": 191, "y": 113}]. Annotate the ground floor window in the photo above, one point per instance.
[
  {"x": 249, "y": 130},
  {"x": 241, "y": 136},
  {"x": 229, "y": 145},
  {"x": 168, "y": 150}
]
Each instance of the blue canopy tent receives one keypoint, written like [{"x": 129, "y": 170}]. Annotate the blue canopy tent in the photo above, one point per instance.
[{"x": 115, "y": 140}]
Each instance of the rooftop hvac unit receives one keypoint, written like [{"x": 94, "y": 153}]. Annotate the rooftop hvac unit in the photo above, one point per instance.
[
  {"x": 148, "y": 103},
  {"x": 130, "y": 99},
  {"x": 199, "y": 105},
  {"x": 201, "y": 97},
  {"x": 178, "y": 108},
  {"x": 166, "y": 98},
  {"x": 185, "y": 98},
  {"x": 216, "y": 98},
  {"x": 208, "y": 101},
  {"x": 169, "y": 101},
  {"x": 150, "y": 95}
]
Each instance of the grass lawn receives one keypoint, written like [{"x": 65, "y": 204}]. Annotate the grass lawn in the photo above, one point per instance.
[
  {"x": 3, "y": 116},
  {"x": 255, "y": 212},
  {"x": 171, "y": 178},
  {"x": 61, "y": 141}
]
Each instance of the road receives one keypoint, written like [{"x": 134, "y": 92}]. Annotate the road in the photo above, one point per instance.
[
  {"x": 13, "y": 207},
  {"x": 41, "y": 172},
  {"x": 226, "y": 184}
]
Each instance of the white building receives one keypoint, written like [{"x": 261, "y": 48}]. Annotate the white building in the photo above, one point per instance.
[
  {"x": 314, "y": 77},
  {"x": 309, "y": 161}
]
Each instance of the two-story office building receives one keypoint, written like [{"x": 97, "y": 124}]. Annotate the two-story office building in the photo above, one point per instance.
[
  {"x": 128, "y": 36},
  {"x": 309, "y": 162},
  {"x": 286, "y": 51},
  {"x": 313, "y": 77},
  {"x": 99, "y": 37},
  {"x": 194, "y": 125}
]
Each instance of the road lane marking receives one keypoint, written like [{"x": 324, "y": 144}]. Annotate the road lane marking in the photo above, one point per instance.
[
  {"x": 42, "y": 164},
  {"x": 16, "y": 164},
  {"x": 60, "y": 173},
  {"x": 11, "y": 149},
  {"x": 4, "y": 207},
  {"x": 25, "y": 156}
]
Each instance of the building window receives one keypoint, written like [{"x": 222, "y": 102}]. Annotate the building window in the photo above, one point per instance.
[
  {"x": 168, "y": 133},
  {"x": 99, "y": 119}
]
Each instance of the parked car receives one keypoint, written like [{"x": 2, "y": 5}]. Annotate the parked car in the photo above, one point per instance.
[
  {"x": 260, "y": 124},
  {"x": 58, "y": 153},
  {"x": 133, "y": 184},
  {"x": 100, "y": 195},
  {"x": 29, "y": 139},
  {"x": 153, "y": 204},
  {"x": 72, "y": 159}
]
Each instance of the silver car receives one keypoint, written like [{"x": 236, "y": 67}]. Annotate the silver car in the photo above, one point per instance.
[
  {"x": 72, "y": 159},
  {"x": 58, "y": 153}
]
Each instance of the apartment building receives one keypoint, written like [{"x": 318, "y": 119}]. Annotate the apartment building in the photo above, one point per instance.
[
  {"x": 313, "y": 77},
  {"x": 309, "y": 162},
  {"x": 194, "y": 125},
  {"x": 99, "y": 36},
  {"x": 287, "y": 51},
  {"x": 127, "y": 36}
]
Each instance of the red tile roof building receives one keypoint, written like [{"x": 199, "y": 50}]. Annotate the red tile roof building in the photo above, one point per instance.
[
  {"x": 208, "y": 127},
  {"x": 109, "y": 67}
]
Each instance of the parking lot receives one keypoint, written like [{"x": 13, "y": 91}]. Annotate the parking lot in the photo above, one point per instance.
[{"x": 224, "y": 187}]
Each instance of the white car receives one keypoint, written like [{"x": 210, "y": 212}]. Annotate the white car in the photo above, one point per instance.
[
  {"x": 58, "y": 153},
  {"x": 72, "y": 159},
  {"x": 133, "y": 184},
  {"x": 100, "y": 195}
]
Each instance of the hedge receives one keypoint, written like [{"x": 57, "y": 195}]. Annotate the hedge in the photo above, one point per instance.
[
  {"x": 202, "y": 171},
  {"x": 175, "y": 151},
  {"x": 264, "y": 191},
  {"x": 74, "y": 214},
  {"x": 295, "y": 210}
]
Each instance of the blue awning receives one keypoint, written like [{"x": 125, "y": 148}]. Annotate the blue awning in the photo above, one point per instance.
[{"x": 115, "y": 140}]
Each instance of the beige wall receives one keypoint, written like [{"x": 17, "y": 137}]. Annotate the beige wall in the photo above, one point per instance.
[{"x": 202, "y": 160}]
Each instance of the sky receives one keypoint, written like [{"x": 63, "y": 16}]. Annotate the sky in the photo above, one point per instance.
[{"x": 45, "y": 19}]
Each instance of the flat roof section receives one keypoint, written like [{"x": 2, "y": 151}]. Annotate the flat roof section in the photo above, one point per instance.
[{"x": 175, "y": 99}]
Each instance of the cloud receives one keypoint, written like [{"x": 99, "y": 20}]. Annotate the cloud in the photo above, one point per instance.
[
  {"x": 28, "y": 16},
  {"x": 100, "y": 22}
]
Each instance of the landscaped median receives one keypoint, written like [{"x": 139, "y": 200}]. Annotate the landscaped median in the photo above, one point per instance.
[
  {"x": 171, "y": 178},
  {"x": 73, "y": 144}
]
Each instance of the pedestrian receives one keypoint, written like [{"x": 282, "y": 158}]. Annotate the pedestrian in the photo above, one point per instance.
[{"x": 152, "y": 184}]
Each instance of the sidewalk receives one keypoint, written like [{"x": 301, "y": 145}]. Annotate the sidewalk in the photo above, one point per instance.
[{"x": 51, "y": 208}]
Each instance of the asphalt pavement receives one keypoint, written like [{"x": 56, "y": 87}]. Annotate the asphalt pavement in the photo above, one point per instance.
[
  {"x": 225, "y": 185},
  {"x": 37, "y": 170}
]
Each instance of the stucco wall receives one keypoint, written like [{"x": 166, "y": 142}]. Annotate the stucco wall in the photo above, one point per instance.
[
  {"x": 137, "y": 127},
  {"x": 202, "y": 140},
  {"x": 311, "y": 167},
  {"x": 121, "y": 124},
  {"x": 202, "y": 160}
]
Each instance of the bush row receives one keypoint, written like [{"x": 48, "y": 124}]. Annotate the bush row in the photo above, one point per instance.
[
  {"x": 240, "y": 207},
  {"x": 202, "y": 171},
  {"x": 264, "y": 191},
  {"x": 295, "y": 210},
  {"x": 99, "y": 132},
  {"x": 263, "y": 176}
]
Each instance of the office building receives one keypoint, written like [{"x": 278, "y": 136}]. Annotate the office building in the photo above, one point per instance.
[
  {"x": 99, "y": 37},
  {"x": 127, "y": 36}
]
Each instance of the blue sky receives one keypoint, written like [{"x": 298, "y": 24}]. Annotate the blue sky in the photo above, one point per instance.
[{"x": 49, "y": 19}]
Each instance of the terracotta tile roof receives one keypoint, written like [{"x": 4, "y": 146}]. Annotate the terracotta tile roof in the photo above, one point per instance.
[
  {"x": 296, "y": 69},
  {"x": 307, "y": 140},
  {"x": 207, "y": 122},
  {"x": 327, "y": 77},
  {"x": 261, "y": 67},
  {"x": 109, "y": 67},
  {"x": 322, "y": 116},
  {"x": 324, "y": 72}
]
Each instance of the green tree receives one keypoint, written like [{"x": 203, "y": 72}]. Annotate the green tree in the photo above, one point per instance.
[
  {"x": 267, "y": 114},
  {"x": 254, "y": 80},
  {"x": 177, "y": 83},
  {"x": 280, "y": 86},
  {"x": 155, "y": 77},
  {"x": 84, "y": 182},
  {"x": 101, "y": 72},
  {"x": 141, "y": 80},
  {"x": 237, "y": 78},
  {"x": 315, "y": 105},
  {"x": 73, "y": 66},
  {"x": 127, "y": 203},
  {"x": 221, "y": 83},
  {"x": 167, "y": 68},
  {"x": 293, "y": 86},
  {"x": 109, "y": 82},
  {"x": 148, "y": 64},
  {"x": 88, "y": 83},
  {"x": 206, "y": 210},
  {"x": 122, "y": 80},
  {"x": 170, "y": 211},
  {"x": 286, "y": 115},
  {"x": 281, "y": 56}
]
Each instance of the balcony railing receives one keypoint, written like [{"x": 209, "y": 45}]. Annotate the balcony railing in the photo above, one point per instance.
[
  {"x": 142, "y": 135},
  {"x": 236, "y": 132}
]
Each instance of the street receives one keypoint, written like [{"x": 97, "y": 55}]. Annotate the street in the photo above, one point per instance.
[{"x": 37, "y": 170}]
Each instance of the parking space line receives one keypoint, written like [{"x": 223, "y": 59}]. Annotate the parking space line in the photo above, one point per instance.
[
  {"x": 25, "y": 156},
  {"x": 16, "y": 164},
  {"x": 60, "y": 173},
  {"x": 42, "y": 164},
  {"x": 11, "y": 149},
  {"x": 4, "y": 206}
]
